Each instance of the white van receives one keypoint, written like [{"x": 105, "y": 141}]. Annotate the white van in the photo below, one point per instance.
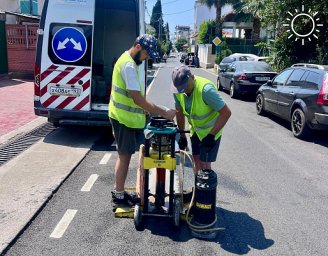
[{"x": 78, "y": 44}]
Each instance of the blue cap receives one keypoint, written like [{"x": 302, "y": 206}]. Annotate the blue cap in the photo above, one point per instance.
[{"x": 149, "y": 43}]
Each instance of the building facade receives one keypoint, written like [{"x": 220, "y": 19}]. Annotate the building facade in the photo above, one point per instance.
[{"x": 203, "y": 13}]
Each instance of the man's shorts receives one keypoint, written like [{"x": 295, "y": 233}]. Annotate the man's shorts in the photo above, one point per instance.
[
  {"x": 203, "y": 155},
  {"x": 128, "y": 140}
]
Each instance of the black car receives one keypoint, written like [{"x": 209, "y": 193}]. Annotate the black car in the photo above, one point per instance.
[
  {"x": 300, "y": 95},
  {"x": 244, "y": 77}
]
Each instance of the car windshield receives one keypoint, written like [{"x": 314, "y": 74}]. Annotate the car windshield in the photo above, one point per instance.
[
  {"x": 255, "y": 66},
  {"x": 227, "y": 60}
]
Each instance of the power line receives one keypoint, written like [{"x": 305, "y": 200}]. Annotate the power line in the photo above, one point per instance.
[
  {"x": 173, "y": 13},
  {"x": 178, "y": 12}
]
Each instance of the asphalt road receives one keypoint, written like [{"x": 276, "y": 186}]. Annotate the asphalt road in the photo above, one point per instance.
[{"x": 272, "y": 195}]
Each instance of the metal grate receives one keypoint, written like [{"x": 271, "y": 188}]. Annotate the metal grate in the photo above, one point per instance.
[{"x": 15, "y": 147}]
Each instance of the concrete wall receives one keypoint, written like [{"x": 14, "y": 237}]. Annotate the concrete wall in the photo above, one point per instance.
[{"x": 206, "y": 58}]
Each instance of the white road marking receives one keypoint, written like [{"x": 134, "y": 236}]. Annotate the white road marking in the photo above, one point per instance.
[
  {"x": 88, "y": 185},
  {"x": 106, "y": 158},
  {"x": 152, "y": 82},
  {"x": 63, "y": 224}
]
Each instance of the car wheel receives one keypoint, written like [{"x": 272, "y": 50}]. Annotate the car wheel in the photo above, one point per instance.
[
  {"x": 298, "y": 124},
  {"x": 260, "y": 104},
  {"x": 233, "y": 93}
]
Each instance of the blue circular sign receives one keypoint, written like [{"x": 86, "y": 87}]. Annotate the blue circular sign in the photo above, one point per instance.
[{"x": 69, "y": 44}]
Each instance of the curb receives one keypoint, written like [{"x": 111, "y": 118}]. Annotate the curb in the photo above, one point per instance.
[{"x": 22, "y": 130}]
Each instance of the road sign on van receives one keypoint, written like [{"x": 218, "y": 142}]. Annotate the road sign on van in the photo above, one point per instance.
[{"x": 69, "y": 44}]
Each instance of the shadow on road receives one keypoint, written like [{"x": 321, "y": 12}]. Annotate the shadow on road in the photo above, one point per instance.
[
  {"x": 241, "y": 234},
  {"x": 317, "y": 137},
  {"x": 4, "y": 82}
]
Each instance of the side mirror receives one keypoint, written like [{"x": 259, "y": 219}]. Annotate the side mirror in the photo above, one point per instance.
[
  {"x": 223, "y": 70},
  {"x": 269, "y": 82}
]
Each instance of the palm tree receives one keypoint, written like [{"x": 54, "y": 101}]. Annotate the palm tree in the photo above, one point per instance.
[{"x": 218, "y": 4}]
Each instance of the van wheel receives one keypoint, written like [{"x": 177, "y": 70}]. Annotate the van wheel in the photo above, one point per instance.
[
  {"x": 56, "y": 124},
  {"x": 233, "y": 93},
  {"x": 260, "y": 105},
  {"x": 298, "y": 124}
]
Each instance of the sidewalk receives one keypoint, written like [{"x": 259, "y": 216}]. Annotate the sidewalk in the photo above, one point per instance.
[
  {"x": 16, "y": 104},
  {"x": 26, "y": 182}
]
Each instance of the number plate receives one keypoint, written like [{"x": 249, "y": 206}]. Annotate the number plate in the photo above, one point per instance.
[
  {"x": 65, "y": 91},
  {"x": 262, "y": 78}
]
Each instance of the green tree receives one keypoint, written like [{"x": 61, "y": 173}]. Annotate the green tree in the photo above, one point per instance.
[
  {"x": 287, "y": 48},
  {"x": 206, "y": 32},
  {"x": 156, "y": 20},
  {"x": 218, "y": 4},
  {"x": 180, "y": 43}
]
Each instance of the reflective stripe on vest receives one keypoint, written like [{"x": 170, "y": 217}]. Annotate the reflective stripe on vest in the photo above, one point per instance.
[
  {"x": 127, "y": 108},
  {"x": 121, "y": 105},
  {"x": 202, "y": 117}
]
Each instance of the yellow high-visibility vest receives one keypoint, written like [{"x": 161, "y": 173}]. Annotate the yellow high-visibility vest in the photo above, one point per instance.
[
  {"x": 202, "y": 117},
  {"x": 121, "y": 105}
]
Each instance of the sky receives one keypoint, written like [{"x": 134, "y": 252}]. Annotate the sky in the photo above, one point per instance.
[{"x": 175, "y": 12}]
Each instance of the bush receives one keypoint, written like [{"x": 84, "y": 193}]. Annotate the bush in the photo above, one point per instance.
[{"x": 225, "y": 52}]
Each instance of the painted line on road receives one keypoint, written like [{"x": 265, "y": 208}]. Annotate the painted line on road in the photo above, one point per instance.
[
  {"x": 88, "y": 185},
  {"x": 105, "y": 158},
  {"x": 63, "y": 224},
  {"x": 152, "y": 82}
]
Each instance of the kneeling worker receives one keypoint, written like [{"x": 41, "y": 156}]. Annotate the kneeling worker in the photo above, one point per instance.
[{"x": 198, "y": 99}]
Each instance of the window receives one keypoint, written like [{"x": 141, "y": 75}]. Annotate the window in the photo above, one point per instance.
[
  {"x": 231, "y": 68},
  {"x": 282, "y": 77},
  {"x": 227, "y": 60},
  {"x": 29, "y": 7},
  {"x": 255, "y": 67},
  {"x": 313, "y": 79},
  {"x": 295, "y": 77}
]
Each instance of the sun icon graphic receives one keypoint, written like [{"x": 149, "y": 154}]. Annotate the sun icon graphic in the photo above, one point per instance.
[{"x": 311, "y": 24}]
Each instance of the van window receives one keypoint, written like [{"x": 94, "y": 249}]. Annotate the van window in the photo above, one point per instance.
[{"x": 68, "y": 50}]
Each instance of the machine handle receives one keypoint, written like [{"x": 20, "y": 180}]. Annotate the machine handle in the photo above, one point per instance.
[{"x": 183, "y": 131}]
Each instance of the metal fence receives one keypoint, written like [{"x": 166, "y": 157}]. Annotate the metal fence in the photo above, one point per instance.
[{"x": 21, "y": 46}]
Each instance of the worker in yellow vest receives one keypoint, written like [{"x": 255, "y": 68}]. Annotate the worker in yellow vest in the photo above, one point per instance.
[
  {"x": 126, "y": 111},
  {"x": 198, "y": 99}
]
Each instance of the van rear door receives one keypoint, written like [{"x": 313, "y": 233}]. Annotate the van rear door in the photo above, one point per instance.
[{"x": 65, "y": 81}]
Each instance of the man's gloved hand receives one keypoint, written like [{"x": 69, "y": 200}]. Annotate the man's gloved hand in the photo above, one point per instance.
[
  {"x": 183, "y": 143},
  {"x": 208, "y": 142}
]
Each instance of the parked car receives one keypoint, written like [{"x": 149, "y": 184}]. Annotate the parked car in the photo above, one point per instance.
[
  {"x": 236, "y": 57},
  {"x": 190, "y": 60},
  {"x": 300, "y": 95},
  {"x": 308, "y": 65},
  {"x": 244, "y": 77},
  {"x": 183, "y": 56}
]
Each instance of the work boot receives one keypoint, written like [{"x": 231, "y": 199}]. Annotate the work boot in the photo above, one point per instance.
[{"x": 128, "y": 200}]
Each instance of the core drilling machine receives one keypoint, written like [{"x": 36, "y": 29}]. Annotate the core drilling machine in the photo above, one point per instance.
[{"x": 159, "y": 155}]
